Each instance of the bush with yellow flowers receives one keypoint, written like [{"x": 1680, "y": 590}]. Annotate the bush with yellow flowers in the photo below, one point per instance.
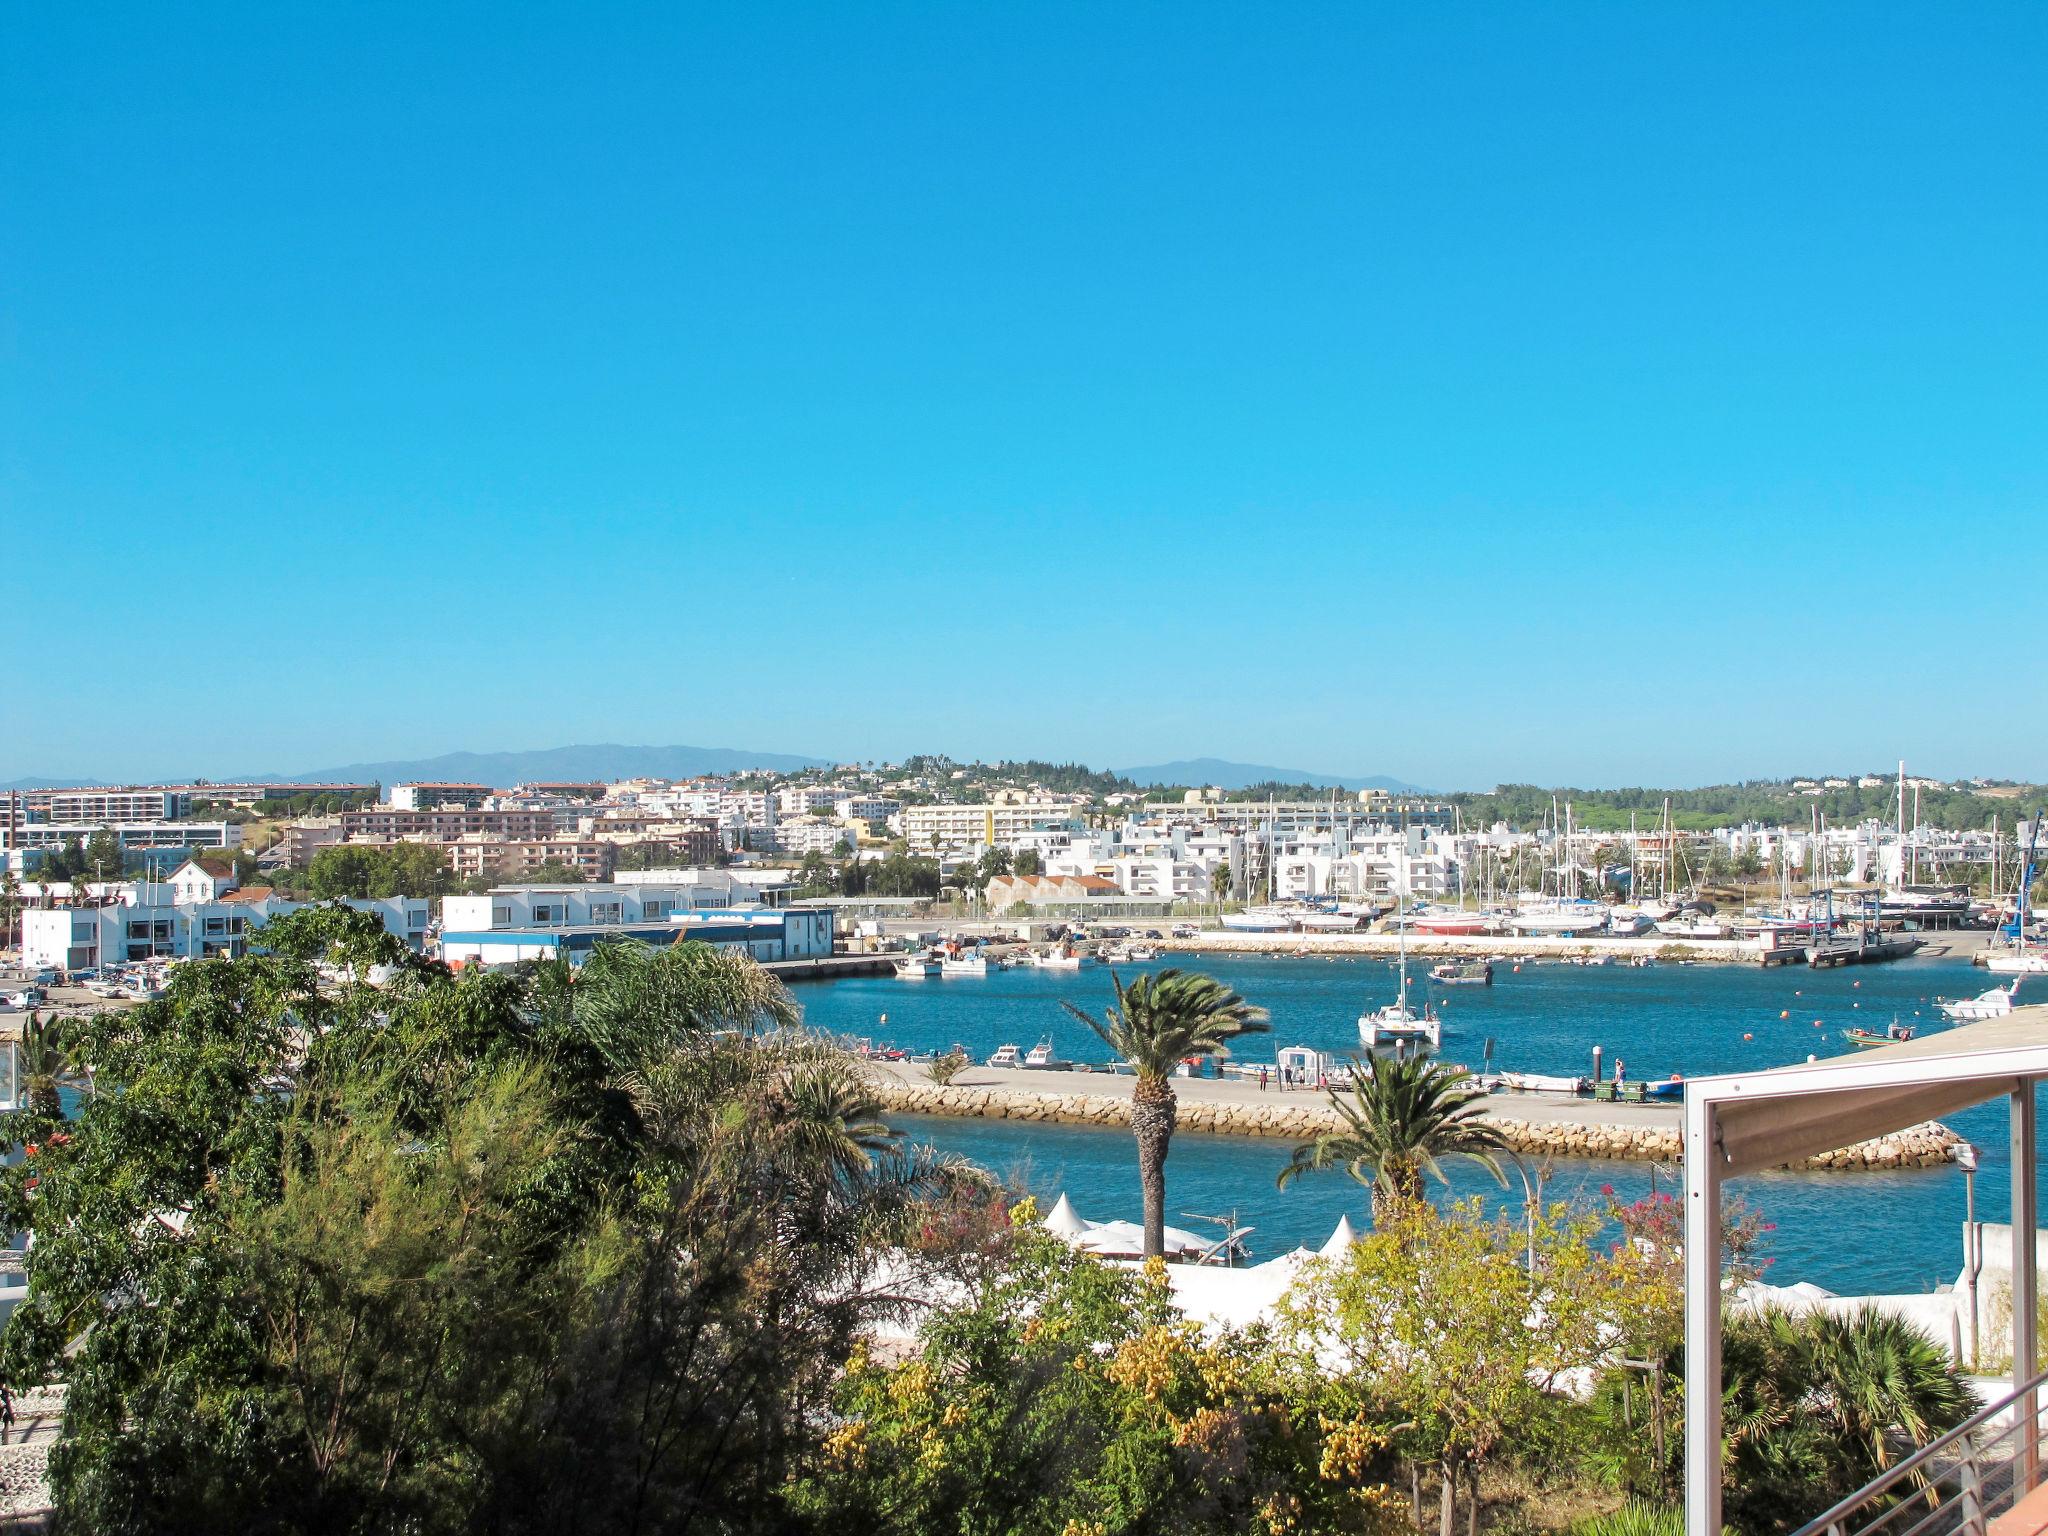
[{"x": 1067, "y": 1395}]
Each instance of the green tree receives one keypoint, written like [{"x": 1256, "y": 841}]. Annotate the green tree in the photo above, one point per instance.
[
  {"x": 1029, "y": 863},
  {"x": 1157, "y": 1022},
  {"x": 1435, "y": 1315},
  {"x": 1816, "y": 1403},
  {"x": 1400, "y": 1120}
]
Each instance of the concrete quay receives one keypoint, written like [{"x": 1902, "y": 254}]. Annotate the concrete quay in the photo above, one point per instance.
[{"x": 1535, "y": 1125}]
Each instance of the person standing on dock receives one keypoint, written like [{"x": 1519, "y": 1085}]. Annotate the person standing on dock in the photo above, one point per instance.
[{"x": 1618, "y": 1074}]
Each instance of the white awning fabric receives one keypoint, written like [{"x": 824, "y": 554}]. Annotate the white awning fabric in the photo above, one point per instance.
[{"x": 1767, "y": 1118}]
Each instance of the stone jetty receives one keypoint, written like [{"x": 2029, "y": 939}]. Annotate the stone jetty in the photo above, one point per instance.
[{"x": 1559, "y": 1128}]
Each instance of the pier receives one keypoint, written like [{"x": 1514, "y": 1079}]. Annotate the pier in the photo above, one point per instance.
[{"x": 1534, "y": 1124}]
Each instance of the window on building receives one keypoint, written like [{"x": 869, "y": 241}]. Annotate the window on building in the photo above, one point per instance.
[{"x": 501, "y": 915}]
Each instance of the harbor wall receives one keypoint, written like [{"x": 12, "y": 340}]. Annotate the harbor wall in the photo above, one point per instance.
[
  {"x": 1668, "y": 951},
  {"x": 1927, "y": 1145}
]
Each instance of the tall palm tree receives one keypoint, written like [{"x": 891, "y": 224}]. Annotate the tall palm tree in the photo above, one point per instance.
[
  {"x": 1400, "y": 1123},
  {"x": 1158, "y": 1022}
]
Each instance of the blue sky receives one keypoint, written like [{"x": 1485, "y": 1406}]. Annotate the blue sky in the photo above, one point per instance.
[{"x": 1456, "y": 392}]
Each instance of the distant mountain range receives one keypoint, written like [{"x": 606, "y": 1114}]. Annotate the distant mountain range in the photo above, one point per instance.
[
  {"x": 562, "y": 764},
  {"x": 610, "y": 761},
  {"x": 500, "y": 770},
  {"x": 1227, "y": 775}
]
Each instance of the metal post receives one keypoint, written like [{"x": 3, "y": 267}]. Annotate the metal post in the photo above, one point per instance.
[
  {"x": 1702, "y": 1320},
  {"x": 2026, "y": 1299}
]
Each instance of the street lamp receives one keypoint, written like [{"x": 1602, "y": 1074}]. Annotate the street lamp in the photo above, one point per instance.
[
  {"x": 1532, "y": 1199},
  {"x": 1973, "y": 1234}
]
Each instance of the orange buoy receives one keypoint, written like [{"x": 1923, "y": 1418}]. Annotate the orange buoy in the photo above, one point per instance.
[
  {"x": 1784, "y": 1013},
  {"x": 1749, "y": 1037}
]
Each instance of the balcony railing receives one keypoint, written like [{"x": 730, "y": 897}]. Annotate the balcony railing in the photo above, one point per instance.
[{"x": 1956, "y": 1485}]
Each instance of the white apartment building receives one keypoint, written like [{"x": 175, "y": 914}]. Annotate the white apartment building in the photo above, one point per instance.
[
  {"x": 801, "y": 837},
  {"x": 803, "y": 799},
  {"x": 1382, "y": 869},
  {"x": 996, "y": 824},
  {"x": 875, "y": 810},
  {"x": 527, "y": 922},
  {"x": 85, "y": 938},
  {"x": 130, "y": 834}
]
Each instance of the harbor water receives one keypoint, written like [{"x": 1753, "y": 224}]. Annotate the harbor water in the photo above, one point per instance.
[{"x": 1849, "y": 1232}]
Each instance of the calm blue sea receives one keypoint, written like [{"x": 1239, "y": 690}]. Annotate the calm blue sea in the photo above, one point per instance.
[{"x": 1848, "y": 1232}]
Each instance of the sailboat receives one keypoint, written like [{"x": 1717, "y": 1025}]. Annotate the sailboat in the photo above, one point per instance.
[
  {"x": 2015, "y": 958},
  {"x": 1397, "y": 1022}
]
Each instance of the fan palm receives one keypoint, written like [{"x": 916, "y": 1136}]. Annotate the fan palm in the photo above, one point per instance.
[
  {"x": 1158, "y": 1022},
  {"x": 1400, "y": 1123}
]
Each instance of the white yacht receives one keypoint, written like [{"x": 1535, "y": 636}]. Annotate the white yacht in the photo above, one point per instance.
[
  {"x": 1041, "y": 1059},
  {"x": 1562, "y": 918},
  {"x": 1994, "y": 1004},
  {"x": 1007, "y": 1056},
  {"x": 1259, "y": 920},
  {"x": 2016, "y": 961}
]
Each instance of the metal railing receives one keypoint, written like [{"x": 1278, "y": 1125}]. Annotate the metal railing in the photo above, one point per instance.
[{"x": 1956, "y": 1485}]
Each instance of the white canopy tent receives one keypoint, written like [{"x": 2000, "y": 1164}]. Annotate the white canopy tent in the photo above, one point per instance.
[{"x": 1745, "y": 1122}]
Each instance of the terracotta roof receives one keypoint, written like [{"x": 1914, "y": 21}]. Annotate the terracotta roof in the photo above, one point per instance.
[
  {"x": 250, "y": 893},
  {"x": 220, "y": 869}
]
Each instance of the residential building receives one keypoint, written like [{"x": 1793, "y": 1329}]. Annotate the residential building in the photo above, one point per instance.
[
  {"x": 434, "y": 797},
  {"x": 995, "y": 823},
  {"x": 1006, "y": 891},
  {"x": 131, "y": 834},
  {"x": 507, "y": 858},
  {"x": 202, "y": 880},
  {"x": 120, "y": 803},
  {"x": 526, "y": 922},
  {"x": 445, "y": 825},
  {"x": 86, "y": 937},
  {"x": 303, "y": 838}
]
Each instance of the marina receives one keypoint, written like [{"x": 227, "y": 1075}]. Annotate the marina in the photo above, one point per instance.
[{"x": 1892, "y": 1230}]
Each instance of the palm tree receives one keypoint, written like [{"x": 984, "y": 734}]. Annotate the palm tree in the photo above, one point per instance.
[
  {"x": 1400, "y": 1123},
  {"x": 1157, "y": 1023},
  {"x": 49, "y": 1046}
]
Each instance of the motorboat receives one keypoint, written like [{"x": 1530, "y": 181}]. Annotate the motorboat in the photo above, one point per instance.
[
  {"x": 2016, "y": 961},
  {"x": 1994, "y": 1004},
  {"x": 1462, "y": 973},
  {"x": 1140, "y": 954},
  {"x": 975, "y": 964},
  {"x": 917, "y": 967},
  {"x": 1052, "y": 960},
  {"x": 1007, "y": 1056},
  {"x": 1628, "y": 922},
  {"x": 1692, "y": 926},
  {"x": 1041, "y": 1059}
]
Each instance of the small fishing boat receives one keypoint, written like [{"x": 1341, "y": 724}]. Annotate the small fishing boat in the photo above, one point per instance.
[
  {"x": 975, "y": 964},
  {"x": 917, "y": 967},
  {"x": 1462, "y": 973},
  {"x": 1007, "y": 1056},
  {"x": 1894, "y": 1033}
]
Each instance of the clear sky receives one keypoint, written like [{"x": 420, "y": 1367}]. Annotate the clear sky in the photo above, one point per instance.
[{"x": 1577, "y": 393}]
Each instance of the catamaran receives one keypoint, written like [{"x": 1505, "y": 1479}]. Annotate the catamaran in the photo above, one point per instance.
[{"x": 1397, "y": 1023}]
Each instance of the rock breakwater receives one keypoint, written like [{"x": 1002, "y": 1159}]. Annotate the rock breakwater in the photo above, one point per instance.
[{"x": 1927, "y": 1145}]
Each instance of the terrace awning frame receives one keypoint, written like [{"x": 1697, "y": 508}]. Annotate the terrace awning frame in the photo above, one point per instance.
[{"x": 1745, "y": 1122}]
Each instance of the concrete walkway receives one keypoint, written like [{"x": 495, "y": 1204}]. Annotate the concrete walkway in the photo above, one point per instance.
[{"x": 1532, "y": 1108}]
